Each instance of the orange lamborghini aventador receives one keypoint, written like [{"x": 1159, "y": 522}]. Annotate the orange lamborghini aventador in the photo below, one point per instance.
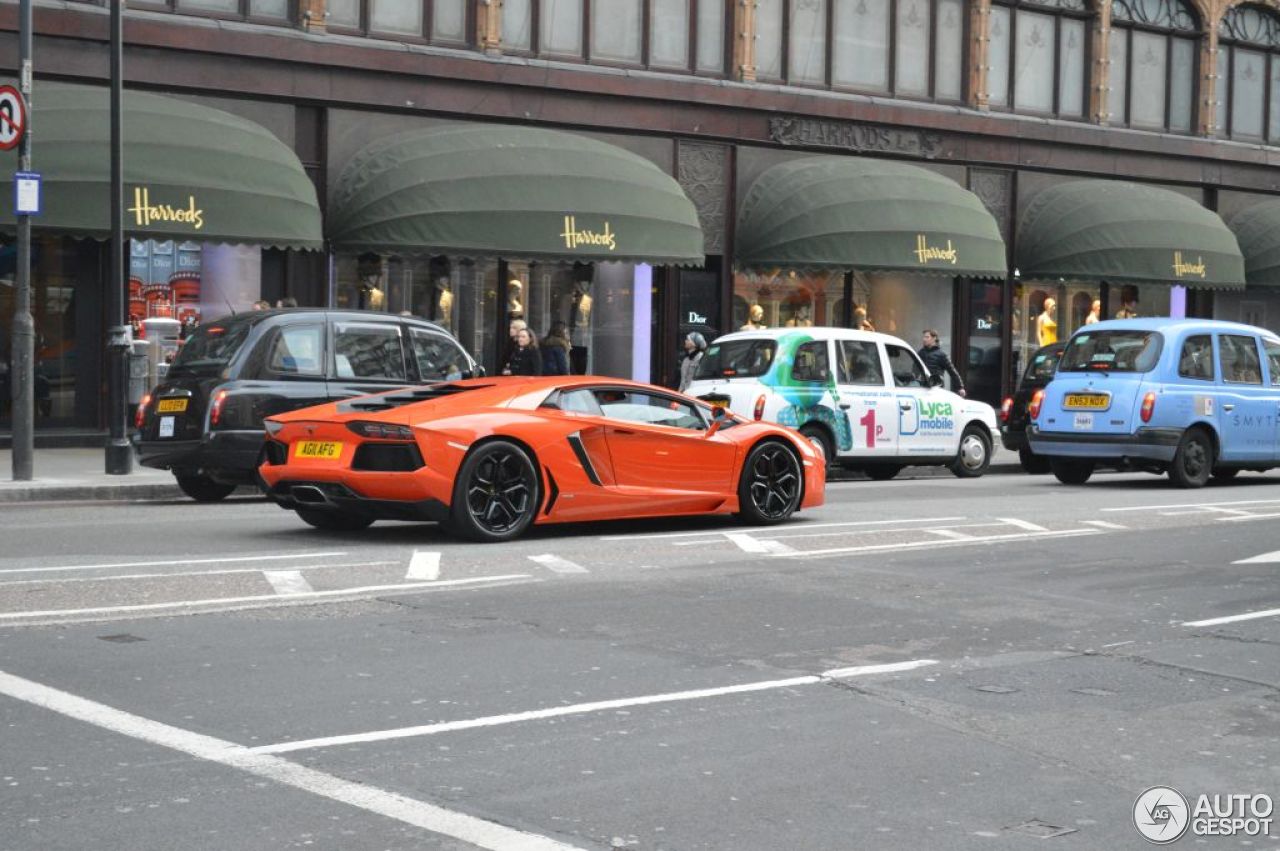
[{"x": 490, "y": 456}]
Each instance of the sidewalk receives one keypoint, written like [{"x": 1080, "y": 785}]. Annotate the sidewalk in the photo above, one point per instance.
[{"x": 68, "y": 475}]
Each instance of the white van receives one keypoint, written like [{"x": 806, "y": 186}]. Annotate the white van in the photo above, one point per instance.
[{"x": 865, "y": 398}]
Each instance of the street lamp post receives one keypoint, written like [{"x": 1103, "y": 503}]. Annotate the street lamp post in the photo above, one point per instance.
[
  {"x": 119, "y": 453},
  {"x": 22, "y": 375}
]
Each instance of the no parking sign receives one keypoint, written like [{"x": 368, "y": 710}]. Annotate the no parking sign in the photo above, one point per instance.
[{"x": 13, "y": 118}]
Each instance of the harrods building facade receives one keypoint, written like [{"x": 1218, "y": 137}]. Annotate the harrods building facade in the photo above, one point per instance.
[{"x": 637, "y": 169}]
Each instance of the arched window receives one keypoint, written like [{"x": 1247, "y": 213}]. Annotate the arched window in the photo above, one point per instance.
[
  {"x": 908, "y": 48},
  {"x": 1039, "y": 57},
  {"x": 1249, "y": 74},
  {"x": 1153, "y": 65}
]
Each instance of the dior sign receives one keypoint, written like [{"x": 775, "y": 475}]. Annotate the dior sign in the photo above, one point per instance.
[{"x": 809, "y": 132}]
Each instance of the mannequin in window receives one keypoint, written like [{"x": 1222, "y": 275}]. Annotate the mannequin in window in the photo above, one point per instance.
[
  {"x": 444, "y": 304},
  {"x": 860, "y": 319},
  {"x": 1128, "y": 303},
  {"x": 1046, "y": 324},
  {"x": 801, "y": 319},
  {"x": 755, "y": 319},
  {"x": 1095, "y": 313},
  {"x": 515, "y": 299},
  {"x": 580, "y": 313}
]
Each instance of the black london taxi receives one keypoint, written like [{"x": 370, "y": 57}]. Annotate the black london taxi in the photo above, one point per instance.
[
  {"x": 1013, "y": 411},
  {"x": 204, "y": 421}
]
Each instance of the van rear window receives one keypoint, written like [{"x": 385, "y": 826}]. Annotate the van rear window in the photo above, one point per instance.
[
  {"x": 1111, "y": 351},
  {"x": 736, "y": 359}
]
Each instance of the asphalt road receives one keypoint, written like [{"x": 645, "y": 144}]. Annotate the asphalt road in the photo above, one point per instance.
[{"x": 923, "y": 663}]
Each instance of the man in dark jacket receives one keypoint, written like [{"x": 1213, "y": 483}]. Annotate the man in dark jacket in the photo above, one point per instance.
[{"x": 937, "y": 361}]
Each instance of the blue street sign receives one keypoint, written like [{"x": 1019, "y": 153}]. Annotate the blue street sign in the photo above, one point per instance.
[{"x": 26, "y": 193}]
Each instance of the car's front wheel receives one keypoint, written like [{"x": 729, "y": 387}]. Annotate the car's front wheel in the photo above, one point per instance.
[
  {"x": 333, "y": 521},
  {"x": 1193, "y": 462},
  {"x": 820, "y": 436},
  {"x": 1036, "y": 465},
  {"x": 975, "y": 453},
  {"x": 1071, "y": 472},
  {"x": 771, "y": 484},
  {"x": 495, "y": 495},
  {"x": 202, "y": 488}
]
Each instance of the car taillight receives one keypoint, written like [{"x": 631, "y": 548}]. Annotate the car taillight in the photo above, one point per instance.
[
  {"x": 384, "y": 431},
  {"x": 1005, "y": 407},
  {"x": 215, "y": 410},
  {"x": 759, "y": 411},
  {"x": 141, "y": 416},
  {"x": 1037, "y": 399},
  {"x": 1148, "y": 407},
  {"x": 272, "y": 426}
]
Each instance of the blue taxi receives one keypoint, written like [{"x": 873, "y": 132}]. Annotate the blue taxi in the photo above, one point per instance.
[{"x": 1194, "y": 398}]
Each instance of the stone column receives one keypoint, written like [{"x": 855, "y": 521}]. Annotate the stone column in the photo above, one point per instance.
[
  {"x": 744, "y": 40},
  {"x": 979, "y": 53},
  {"x": 312, "y": 14},
  {"x": 489, "y": 26},
  {"x": 1100, "y": 73},
  {"x": 1207, "y": 123}
]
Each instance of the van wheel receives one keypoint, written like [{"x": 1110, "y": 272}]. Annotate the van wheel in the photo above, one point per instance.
[
  {"x": 1071, "y": 472},
  {"x": 1193, "y": 462},
  {"x": 202, "y": 488},
  {"x": 819, "y": 435},
  {"x": 882, "y": 472},
  {"x": 975, "y": 453},
  {"x": 333, "y": 521},
  {"x": 1036, "y": 465},
  {"x": 771, "y": 485}
]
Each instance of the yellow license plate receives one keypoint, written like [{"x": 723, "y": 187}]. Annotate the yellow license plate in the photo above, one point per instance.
[
  {"x": 1086, "y": 402},
  {"x": 171, "y": 406},
  {"x": 326, "y": 449}
]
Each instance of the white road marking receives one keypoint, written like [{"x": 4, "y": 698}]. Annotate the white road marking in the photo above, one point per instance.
[
  {"x": 116, "y": 577},
  {"x": 1269, "y": 613},
  {"x": 559, "y": 565},
  {"x": 477, "y": 831},
  {"x": 714, "y": 532},
  {"x": 1244, "y": 518},
  {"x": 915, "y": 545},
  {"x": 270, "y": 598},
  {"x": 950, "y": 535},
  {"x": 583, "y": 708},
  {"x": 783, "y": 535},
  {"x": 288, "y": 582},
  {"x": 1264, "y": 558},
  {"x": 1103, "y": 524},
  {"x": 749, "y": 544},
  {"x": 423, "y": 567},
  {"x": 1022, "y": 524},
  {"x": 224, "y": 560},
  {"x": 1192, "y": 505}
]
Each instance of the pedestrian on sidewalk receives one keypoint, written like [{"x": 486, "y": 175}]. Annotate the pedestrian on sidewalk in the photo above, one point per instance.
[
  {"x": 937, "y": 361},
  {"x": 525, "y": 359}
]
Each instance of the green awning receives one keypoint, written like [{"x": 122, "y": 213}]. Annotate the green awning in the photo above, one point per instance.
[
  {"x": 1110, "y": 230},
  {"x": 514, "y": 192},
  {"x": 190, "y": 172},
  {"x": 875, "y": 215},
  {"x": 1257, "y": 229}
]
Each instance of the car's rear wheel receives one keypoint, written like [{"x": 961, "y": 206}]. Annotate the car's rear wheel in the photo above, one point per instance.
[
  {"x": 819, "y": 435},
  {"x": 1193, "y": 462},
  {"x": 495, "y": 495},
  {"x": 202, "y": 488},
  {"x": 882, "y": 472},
  {"x": 1036, "y": 465},
  {"x": 975, "y": 453},
  {"x": 771, "y": 485},
  {"x": 1071, "y": 472},
  {"x": 333, "y": 521},
  {"x": 1225, "y": 474}
]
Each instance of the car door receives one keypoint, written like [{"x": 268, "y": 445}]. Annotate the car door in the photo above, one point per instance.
[
  {"x": 659, "y": 445},
  {"x": 1246, "y": 408},
  {"x": 866, "y": 399},
  {"x": 436, "y": 357},
  {"x": 294, "y": 361},
  {"x": 926, "y": 415},
  {"x": 367, "y": 357}
]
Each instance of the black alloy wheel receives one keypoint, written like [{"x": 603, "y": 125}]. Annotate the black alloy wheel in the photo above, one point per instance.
[
  {"x": 496, "y": 493},
  {"x": 772, "y": 482},
  {"x": 1193, "y": 462},
  {"x": 333, "y": 521},
  {"x": 202, "y": 488}
]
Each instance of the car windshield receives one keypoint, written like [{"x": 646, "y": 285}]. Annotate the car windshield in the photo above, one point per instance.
[
  {"x": 1111, "y": 351},
  {"x": 1044, "y": 364},
  {"x": 736, "y": 359},
  {"x": 208, "y": 351}
]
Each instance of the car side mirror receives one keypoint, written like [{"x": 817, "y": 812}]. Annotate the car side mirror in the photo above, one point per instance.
[
  {"x": 719, "y": 416},
  {"x": 935, "y": 380}
]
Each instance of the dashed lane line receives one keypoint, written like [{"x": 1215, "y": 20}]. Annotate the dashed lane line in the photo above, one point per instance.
[
  {"x": 920, "y": 545},
  {"x": 287, "y": 582},
  {"x": 423, "y": 567},
  {"x": 221, "y": 560},
  {"x": 1022, "y": 524},
  {"x": 749, "y": 544},
  {"x": 1200, "y": 505},
  {"x": 116, "y": 577},
  {"x": 1104, "y": 524},
  {"x": 711, "y": 533},
  {"x": 595, "y": 706},
  {"x": 269, "y": 599},
  {"x": 1248, "y": 616},
  {"x": 460, "y": 826},
  {"x": 558, "y": 564}
]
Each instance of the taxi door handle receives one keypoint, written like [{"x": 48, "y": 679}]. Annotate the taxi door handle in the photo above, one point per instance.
[
  {"x": 904, "y": 407},
  {"x": 844, "y": 406},
  {"x": 1228, "y": 408}
]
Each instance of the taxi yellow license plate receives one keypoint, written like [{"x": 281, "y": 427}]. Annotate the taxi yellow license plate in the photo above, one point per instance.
[
  {"x": 326, "y": 449},
  {"x": 1086, "y": 402},
  {"x": 171, "y": 406}
]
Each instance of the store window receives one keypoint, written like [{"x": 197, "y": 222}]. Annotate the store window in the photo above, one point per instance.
[
  {"x": 910, "y": 48},
  {"x": 668, "y": 35},
  {"x": 1153, "y": 51},
  {"x": 1039, "y": 57},
  {"x": 1249, "y": 74},
  {"x": 436, "y": 21},
  {"x": 787, "y": 299},
  {"x": 265, "y": 11}
]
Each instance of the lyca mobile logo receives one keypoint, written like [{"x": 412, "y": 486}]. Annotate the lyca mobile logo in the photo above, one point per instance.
[{"x": 935, "y": 416}]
